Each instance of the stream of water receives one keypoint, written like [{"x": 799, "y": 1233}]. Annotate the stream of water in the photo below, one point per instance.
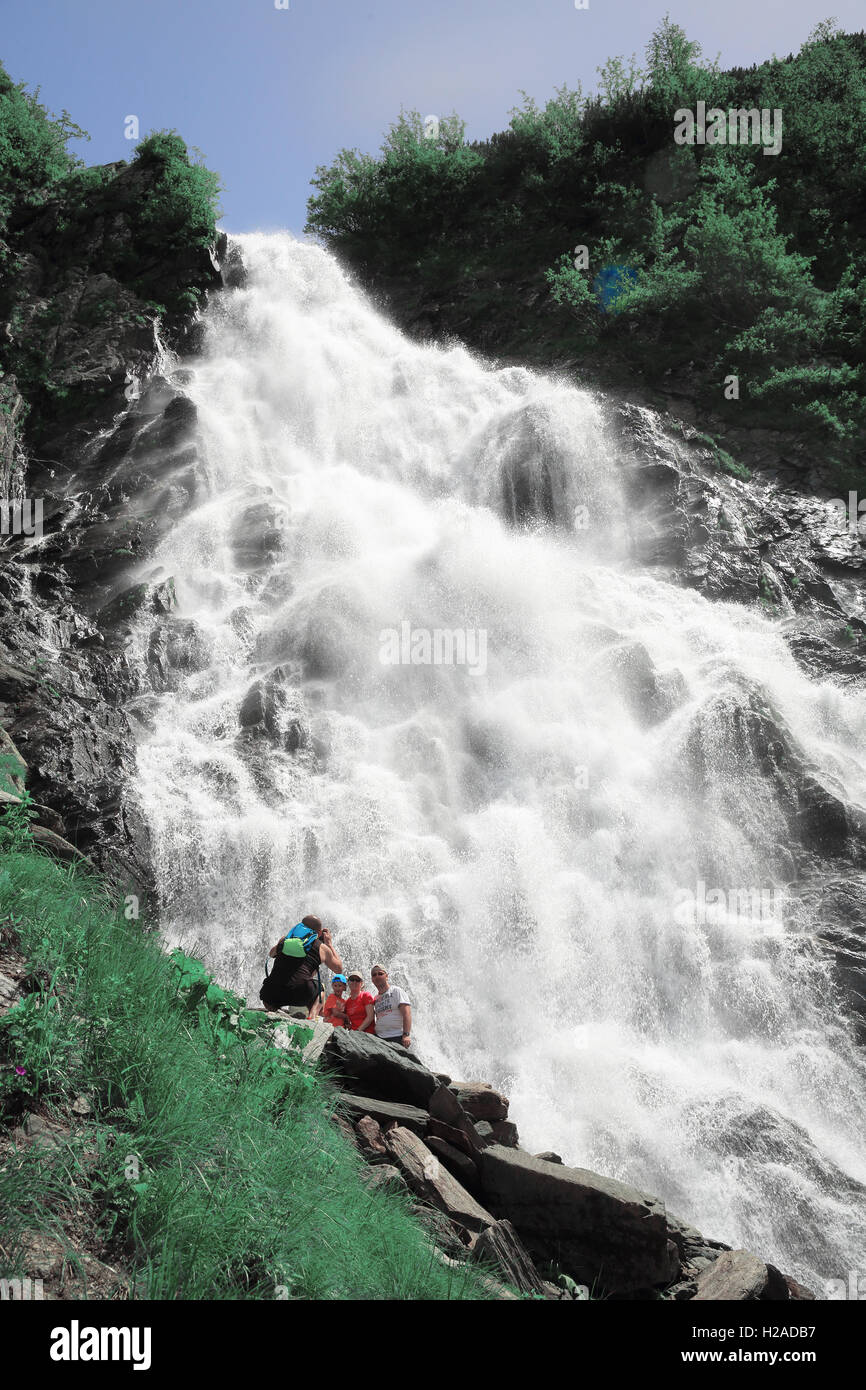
[{"x": 545, "y": 820}]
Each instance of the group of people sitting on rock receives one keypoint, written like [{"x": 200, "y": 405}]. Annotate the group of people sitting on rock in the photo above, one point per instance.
[{"x": 295, "y": 980}]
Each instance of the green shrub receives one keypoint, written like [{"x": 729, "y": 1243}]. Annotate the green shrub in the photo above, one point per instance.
[
  {"x": 182, "y": 209},
  {"x": 744, "y": 264},
  {"x": 33, "y": 153}
]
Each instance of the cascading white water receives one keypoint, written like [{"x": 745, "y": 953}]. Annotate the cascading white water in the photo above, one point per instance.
[{"x": 512, "y": 832}]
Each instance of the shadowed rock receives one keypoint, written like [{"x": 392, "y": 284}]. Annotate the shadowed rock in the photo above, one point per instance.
[
  {"x": 598, "y": 1229},
  {"x": 739, "y": 1276},
  {"x": 500, "y": 1245},
  {"x": 479, "y": 1100},
  {"x": 392, "y": 1073},
  {"x": 429, "y": 1179},
  {"x": 386, "y": 1112}
]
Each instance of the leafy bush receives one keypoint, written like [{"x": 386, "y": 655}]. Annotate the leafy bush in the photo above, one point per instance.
[
  {"x": 143, "y": 224},
  {"x": 33, "y": 153},
  {"x": 182, "y": 207},
  {"x": 734, "y": 263}
]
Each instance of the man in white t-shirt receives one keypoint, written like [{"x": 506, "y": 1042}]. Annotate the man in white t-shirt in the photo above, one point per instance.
[{"x": 392, "y": 1010}]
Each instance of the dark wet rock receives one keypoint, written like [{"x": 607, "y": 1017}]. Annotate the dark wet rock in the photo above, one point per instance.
[
  {"x": 58, "y": 704},
  {"x": 501, "y": 1246},
  {"x": 650, "y": 695},
  {"x": 737, "y": 727},
  {"x": 797, "y": 1291},
  {"x": 271, "y": 711},
  {"x": 531, "y": 471},
  {"x": 177, "y": 648},
  {"x": 459, "y": 1164},
  {"x": 505, "y": 1132},
  {"x": 739, "y": 1276},
  {"x": 837, "y": 904},
  {"x": 258, "y": 536},
  {"x": 13, "y": 412},
  {"x": 385, "y": 1112},
  {"x": 599, "y": 1230},
  {"x": 367, "y": 1060},
  {"x": 427, "y": 1177},
  {"x": 759, "y": 1135},
  {"x": 113, "y": 451},
  {"x": 119, "y": 615},
  {"x": 233, "y": 270},
  {"x": 140, "y": 480},
  {"x": 548, "y": 1156},
  {"x": 777, "y": 540},
  {"x": 479, "y": 1100},
  {"x": 825, "y": 823},
  {"x": 769, "y": 1145}
]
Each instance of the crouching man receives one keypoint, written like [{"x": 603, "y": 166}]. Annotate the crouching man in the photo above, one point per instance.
[{"x": 297, "y": 957}]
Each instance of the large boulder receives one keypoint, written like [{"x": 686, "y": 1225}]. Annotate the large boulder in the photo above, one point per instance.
[
  {"x": 600, "y": 1231},
  {"x": 369, "y": 1133},
  {"x": 446, "y": 1109},
  {"x": 430, "y": 1180},
  {"x": 391, "y": 1073},
  {"x": 505, "y": 1132},
  {"x": 456, "y": 1137},
  {"x": 739, "y": 1276},
  {"x": 479, "y": 1100},
  {"x": 385, "y": 1112},
  {"x": 459, "y": 1164},
  {"x": 385, "y": 1175}
]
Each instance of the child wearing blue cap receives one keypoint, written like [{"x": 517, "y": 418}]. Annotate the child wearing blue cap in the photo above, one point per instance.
[{"x": 335, "y": 1009}]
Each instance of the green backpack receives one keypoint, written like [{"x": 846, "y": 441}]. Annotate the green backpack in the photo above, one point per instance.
[{"x": 299, "y": 941}]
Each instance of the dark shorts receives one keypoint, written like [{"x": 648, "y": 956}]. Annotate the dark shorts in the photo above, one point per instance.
[{"x": 304, "y": 995}]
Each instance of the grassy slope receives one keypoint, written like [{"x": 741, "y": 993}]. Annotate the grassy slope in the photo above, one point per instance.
[{"x": 243, "y": 1184}]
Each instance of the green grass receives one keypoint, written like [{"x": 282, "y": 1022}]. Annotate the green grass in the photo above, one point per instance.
[{"x": 209, "y": 1167}]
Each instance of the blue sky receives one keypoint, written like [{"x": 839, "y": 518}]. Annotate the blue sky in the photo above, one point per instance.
[{"x": 268, "y": 94}]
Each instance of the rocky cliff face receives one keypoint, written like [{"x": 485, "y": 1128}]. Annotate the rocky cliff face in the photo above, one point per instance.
[
  {"x": 778, "y": 540},
  {"x": 105, "y": 442}
]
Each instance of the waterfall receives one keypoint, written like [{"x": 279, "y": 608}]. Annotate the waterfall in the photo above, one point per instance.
[{"x": 555, "y": 820}]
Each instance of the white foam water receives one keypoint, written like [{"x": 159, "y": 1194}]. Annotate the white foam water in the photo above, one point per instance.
[{"x": 520, "y": 828}]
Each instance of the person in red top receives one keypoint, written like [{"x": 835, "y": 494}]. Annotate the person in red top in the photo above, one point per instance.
[
  {"x": 359, "y": 1006},
  {"x": 335, "y": 1004}
]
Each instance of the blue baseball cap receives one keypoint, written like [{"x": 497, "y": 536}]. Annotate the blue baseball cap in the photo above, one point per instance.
[{"x": 339, "y": 979}]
